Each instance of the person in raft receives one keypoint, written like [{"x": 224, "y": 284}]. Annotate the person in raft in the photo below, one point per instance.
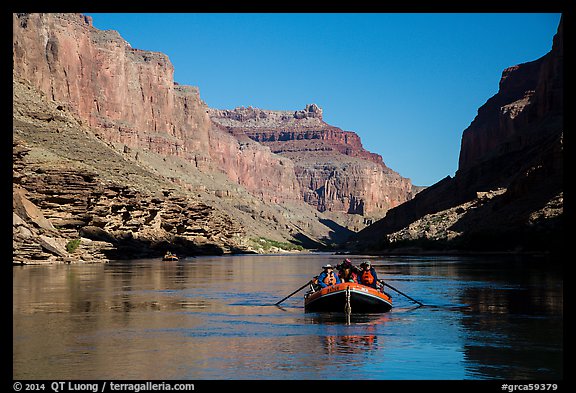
[
  {"x": 347, "y": 271},
  {"x": 327, "y": 277},
  {"x": 368, "y": 275}
]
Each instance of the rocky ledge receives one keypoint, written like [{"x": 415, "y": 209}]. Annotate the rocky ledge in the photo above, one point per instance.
[{"x": 91, "y": 220}]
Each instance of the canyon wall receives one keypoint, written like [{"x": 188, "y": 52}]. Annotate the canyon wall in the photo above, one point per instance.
[
  {"x": 507, "y": 193},
  {"x": 333, "y": 169},
  {"x": 78, "y": 199},
  {"x": 112, "y": 151},
  {"x": 129, "y": 96},
  {"x": 529, "y": 94}
]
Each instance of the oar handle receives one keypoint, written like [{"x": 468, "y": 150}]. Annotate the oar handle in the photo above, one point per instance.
[{"x": 296, "y": 291}]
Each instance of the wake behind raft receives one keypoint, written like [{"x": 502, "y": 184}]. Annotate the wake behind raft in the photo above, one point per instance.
[{"x": 347, "y": 297}]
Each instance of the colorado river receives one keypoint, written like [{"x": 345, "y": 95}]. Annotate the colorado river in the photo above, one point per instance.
[{"x": 213, "y": 318}]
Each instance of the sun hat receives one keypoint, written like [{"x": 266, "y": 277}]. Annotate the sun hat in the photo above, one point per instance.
[{"x": 328, "y": 266}]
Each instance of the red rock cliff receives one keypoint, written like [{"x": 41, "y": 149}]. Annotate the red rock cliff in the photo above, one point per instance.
[
  {"x": 129, "y": 96},
  {"x": 334, "y": 170}
]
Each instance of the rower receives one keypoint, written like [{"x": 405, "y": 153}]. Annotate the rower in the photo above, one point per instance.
[
  {"x": 368, "y": 275},
  {"x": 327, "y": 277},
  {"x": 347, "y": 272}
]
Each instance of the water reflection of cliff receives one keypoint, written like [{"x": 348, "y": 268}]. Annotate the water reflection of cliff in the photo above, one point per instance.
[
  {"x": 512, "y": 307},
  {"x": 509, "y": 322},
  {"x": 134, "y": 285}
]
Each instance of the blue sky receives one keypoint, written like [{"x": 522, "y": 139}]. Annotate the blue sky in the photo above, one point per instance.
[{"x": 407, "y": 83}]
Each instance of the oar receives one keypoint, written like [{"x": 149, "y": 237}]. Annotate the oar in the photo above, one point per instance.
[
  {"x": 401, "y": 293},
  {"x": 296, "y": 291}
]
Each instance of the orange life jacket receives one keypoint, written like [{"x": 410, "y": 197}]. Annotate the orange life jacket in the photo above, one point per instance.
[
  {"x": 367, "y": 277},
  {"x": 330, "y": 279}
]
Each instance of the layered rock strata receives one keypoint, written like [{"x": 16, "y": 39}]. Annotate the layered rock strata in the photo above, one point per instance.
[
  {"x": 58, "y": 204},
  {"x": 334, "y": 171},
  {"x": 82, "y": 188},
  {"x": 129, "y": 96}
]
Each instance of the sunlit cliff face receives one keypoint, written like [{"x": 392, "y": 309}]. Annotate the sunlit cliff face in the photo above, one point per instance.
[{"x": 334, "y": 171}]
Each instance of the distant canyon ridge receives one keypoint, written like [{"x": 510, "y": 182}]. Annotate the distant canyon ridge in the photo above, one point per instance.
[
  {"x": 333, "y": 170},
  {"x": 281, "y": 176}
]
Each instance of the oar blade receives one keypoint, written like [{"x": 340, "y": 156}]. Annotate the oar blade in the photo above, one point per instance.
[{"x": 402, "y": 293}]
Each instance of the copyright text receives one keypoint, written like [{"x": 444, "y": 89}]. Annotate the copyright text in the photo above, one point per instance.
[{"x": 101, "y": 387}]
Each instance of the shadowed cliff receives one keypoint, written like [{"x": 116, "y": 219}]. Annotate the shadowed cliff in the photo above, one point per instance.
[{"x": 507, "y": 194}]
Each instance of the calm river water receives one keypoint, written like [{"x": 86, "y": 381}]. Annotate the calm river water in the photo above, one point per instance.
[{"x": 214, "y": 318}]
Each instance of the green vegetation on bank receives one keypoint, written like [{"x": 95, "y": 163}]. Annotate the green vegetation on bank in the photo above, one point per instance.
[
  {"x": 72, "y": 245},
  {"x": 268, "y": 244}
]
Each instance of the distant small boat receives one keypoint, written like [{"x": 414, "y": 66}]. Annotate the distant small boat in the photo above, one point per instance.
[
  {"x": 362, "y": 299},
  {"x": 170, "y": 257}
]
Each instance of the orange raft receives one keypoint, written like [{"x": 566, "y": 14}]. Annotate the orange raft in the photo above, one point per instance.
[
  {"x": 363, "y": 299},
  {"x": 170, "y": 257}
]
